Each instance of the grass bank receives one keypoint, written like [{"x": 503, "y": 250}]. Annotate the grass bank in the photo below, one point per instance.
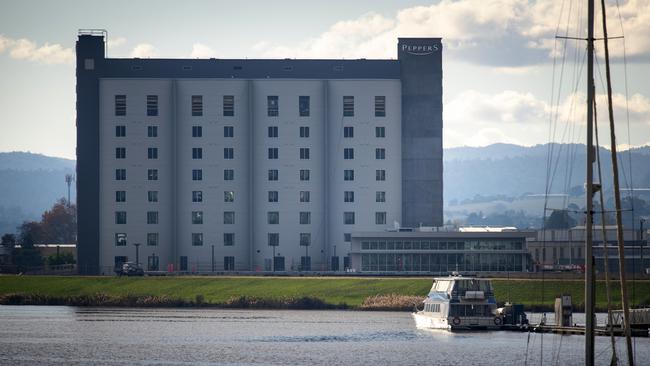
[{"x": 282, "y": 292}]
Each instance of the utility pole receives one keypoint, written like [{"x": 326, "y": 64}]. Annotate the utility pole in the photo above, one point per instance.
[
  {"x": 137, "y": 253},
  {"x": 212, "y": 257},
  {"x": 68, "y": 180}
]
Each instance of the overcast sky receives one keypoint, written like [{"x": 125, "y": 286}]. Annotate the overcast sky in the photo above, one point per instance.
[{"x": 505, "y": 74}]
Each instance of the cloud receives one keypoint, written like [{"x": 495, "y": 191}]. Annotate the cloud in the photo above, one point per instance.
[
  {"x": 473, "y": 118},
  {"x": 24, "y": 49},
  {"x": 200, "y": 50},
  {"x": 115, "y": 42},
  {"x": 144, "y": 50},
  {"x": 507, "y": 33}
]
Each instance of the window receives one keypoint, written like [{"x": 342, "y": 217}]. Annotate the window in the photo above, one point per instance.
[
  {"x": 152, "y": 196},
  {"x": 153, "y": 262},
  {"x": 304, "y": 174},
  {"x": 120, "y": 217},
  {"x": 120, "y": 239},
  {"x": 152, "y": 153},
  {"x": 120, "y": 105},
  {"x": 197, "y": 174},
  {"x": 380, "y": 174},
  {"x": 120, "y": 153},
  {"x": 304, "y": 153},
  {"x": 347, "y": 237},
  {"x": 120, "y": 196},
  {"x": 273, "y": 152},
  {"x": 197, "y": 217},
  {"x": 197, "y": 239},
  {"x": 152, "y": 105},
  {"x": 229, "y": 196},
  {"x": 229, "y": 263},
  {"x": 304, "y": 131},
  {"x": 380, "y": 196},
  {"x": 348, "y": 218},
  {"x": 348, "y": 106},
  {"x": 305, "y": 239},
  {"x": 228, "y": 131},
  {"x": 273, "y": 217},
  {"x": 197, "y": 153},
  {"x": 274, "y": 239},
  {"x": 197, "y": 131},
  {"x": 348, "y": 174},
  {"x": 348, "y": 196},
  {"x": 228, "y": 105},
  {"x": 197, "y": 196},
  {"x": 152, "y": 131},
  {"x": 273, "y": 174},
  {"x": 303, "y": 105},
  {"x": 152, "y": 174},
  {"x": 120, "y": 131},
  {"x": 380, "y": 132},
  {"x": 304, "y": 196},
  {"x": 305, "y": 218},
  {"x": 273, "y": 108},
  {"x": 273, "y": 196},
  {"x": 152, "y": 239},
  {"x": 380, "y": 153},
  {"x": 228, "y": 239},
  {"x": 348, "y": 153},
  {"x": 380, "y": 106},
  {"x": 229, "y": 217},
  {"x": 380, "y": 218},
  {"x": 273, "y": 131},
  {"x": 120, "y": 174},
  {"x": 197, "y": 105},
  {"x": 228, "y": 174},
  {"x": 348, "y": 132},
  {"x": 152, "y": 217},
  {"x": 228, "y": 153}
]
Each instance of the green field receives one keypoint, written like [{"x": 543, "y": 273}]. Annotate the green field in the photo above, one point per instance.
[{"x": 349, "y": 291}]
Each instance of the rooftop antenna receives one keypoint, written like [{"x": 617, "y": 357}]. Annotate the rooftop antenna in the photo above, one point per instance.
[{"x": 69, "y": 178}]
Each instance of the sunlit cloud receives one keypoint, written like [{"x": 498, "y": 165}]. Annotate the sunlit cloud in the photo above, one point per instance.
[
  {"x": 25, "y": 49},
  {"x": 144, "y": 50},
  {"x": 200, "y": 50}
]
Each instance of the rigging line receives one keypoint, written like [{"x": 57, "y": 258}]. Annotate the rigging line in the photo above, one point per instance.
[
  {"x": 627, "y": 115},
  {"x": 604, "y": 239}
]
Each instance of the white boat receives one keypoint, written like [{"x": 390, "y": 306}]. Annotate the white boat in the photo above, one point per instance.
[{"x": 459, "y": 303}]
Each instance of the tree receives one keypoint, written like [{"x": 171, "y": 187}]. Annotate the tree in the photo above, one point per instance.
[
  {"x": 8, "y": 241},
  {"x": 59, "y": 224},
  {"x": 560, "y": 219},
  {"x": 27, "y": 255}
]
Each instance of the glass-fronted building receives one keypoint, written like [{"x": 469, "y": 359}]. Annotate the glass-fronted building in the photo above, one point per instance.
[{"x": 439, "y": 252}]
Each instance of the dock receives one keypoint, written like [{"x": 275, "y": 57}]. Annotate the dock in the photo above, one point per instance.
[{"x": 574, "y": 330}]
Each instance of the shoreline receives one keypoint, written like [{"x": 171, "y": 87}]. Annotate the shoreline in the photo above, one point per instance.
[{"x": 363, "y": 294}]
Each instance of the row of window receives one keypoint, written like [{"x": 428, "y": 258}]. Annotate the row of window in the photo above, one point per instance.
[
  {"x": 273, "y": 218},
  {"x": 229, "y": 153},
  {"x": 272, "y": 102},
  {"x": 229, "y": 131},
  {"x": 443, "y": 245},
  {"x": 228, "y": 239},
  {"x": 229, "y": 174},
  {"x": 229, "y": 196}
]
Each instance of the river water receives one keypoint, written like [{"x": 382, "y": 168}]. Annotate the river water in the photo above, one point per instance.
[{"x": 62, "y": 335}]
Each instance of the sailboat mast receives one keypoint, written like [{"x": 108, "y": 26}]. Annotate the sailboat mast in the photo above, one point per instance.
[{"x": 589, "y": 262}]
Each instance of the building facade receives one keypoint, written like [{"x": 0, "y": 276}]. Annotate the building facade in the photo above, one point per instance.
[
  {"x": 256, "y": 165},
  {"x": 439, "y": 252}
]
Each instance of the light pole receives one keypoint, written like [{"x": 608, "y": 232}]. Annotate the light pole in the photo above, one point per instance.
[
  {"x": 137, "y": 253},
  {"x": 212, "y": 257},
  {"x": 68, "y": 181},
  {"x": 641, "y": 222}
]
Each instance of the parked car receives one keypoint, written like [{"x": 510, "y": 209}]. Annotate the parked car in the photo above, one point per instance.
[{"x": 129, "y": 269}]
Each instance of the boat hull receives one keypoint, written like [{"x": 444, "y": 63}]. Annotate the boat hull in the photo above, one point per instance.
[{"x": 425, "y": 321}]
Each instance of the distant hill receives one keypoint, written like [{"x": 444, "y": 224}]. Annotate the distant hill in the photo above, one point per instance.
[
  {"x": 511, "y": 170},
  {"x": 30, "y": 184}
]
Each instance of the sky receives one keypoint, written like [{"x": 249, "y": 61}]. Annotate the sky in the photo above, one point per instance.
[{"x": 507, "y": 78}]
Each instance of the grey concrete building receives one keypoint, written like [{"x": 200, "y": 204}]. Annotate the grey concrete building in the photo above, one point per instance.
[{"x": 245, "y": 164}]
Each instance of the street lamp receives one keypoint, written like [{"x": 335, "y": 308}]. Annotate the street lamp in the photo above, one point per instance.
[
  {"x": 137, "y": 253},
  {"x": 212, "y": 257},
  {"x": 641, "y": 222}
]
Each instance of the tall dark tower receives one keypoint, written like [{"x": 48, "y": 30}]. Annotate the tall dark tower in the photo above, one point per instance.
[
  {"x": 421, "y": 73},
  {"x": 90, "y": 61}
]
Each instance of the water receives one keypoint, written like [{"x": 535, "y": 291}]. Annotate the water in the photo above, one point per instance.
[{"x": 61, "y": 335}]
